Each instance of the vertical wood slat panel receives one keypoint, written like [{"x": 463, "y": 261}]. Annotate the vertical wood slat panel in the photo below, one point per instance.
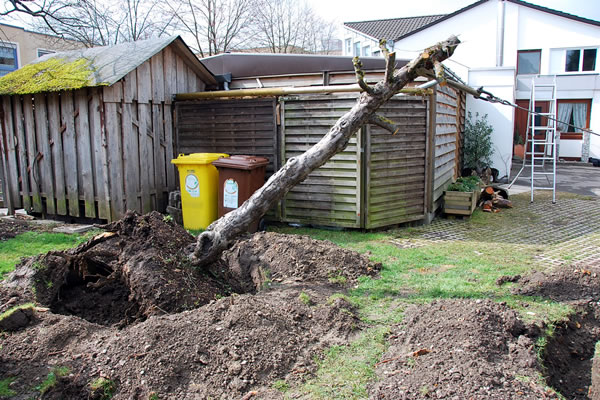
[
  {"x": 69, "y": 137},
  {"x": 84, "y": 153},
  {"x": 43, "y": 146},
  {"x": 17, "y": 108},
  {"x": 131, "y": 158},
  {"x": 5, "y": 181},
  {"x": 32, "y": 153},
  {"x": 115, "y": 160},
  {"x": 158, "y": 85},
  {"x": 159, "y": 156},
  {"x": 169, "y": 147},
  {"x": 144, "y": 89},
  {"x": 54, "y": 127},
  {"x": 170, "y": 74},
  {"x": 181, "y": 75},
  {"x": 100, "y": 163},
  {"x": 11, "y": 169}
]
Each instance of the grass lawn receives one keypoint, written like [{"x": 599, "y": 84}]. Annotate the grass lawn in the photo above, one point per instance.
[
  {"x": 33, "y": 243},
  {"x": 465, "y": 268}
]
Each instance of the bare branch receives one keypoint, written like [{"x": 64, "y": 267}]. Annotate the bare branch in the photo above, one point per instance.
[
  {"x": 383, "y": 47},
  {"x": 384, "y": 123},
  {"x": 360, "y": 75},
  {"x": 390, "y": 66},
  {"x": 438, "y": 69}
]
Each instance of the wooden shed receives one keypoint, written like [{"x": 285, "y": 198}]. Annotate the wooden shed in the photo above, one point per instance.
[
  {"x": 378, "y": 180},
  {"x": 89, "y": 133}
]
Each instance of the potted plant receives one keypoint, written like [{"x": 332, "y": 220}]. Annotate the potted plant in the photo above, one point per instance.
[
  {"x": 518, "y": 145},
  {"x": 461, "y": 197}
]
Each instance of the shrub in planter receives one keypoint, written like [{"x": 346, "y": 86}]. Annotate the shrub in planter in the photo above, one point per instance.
[
  {"x": 461, "y": 196},
  {"x": 477, "y": 146}
]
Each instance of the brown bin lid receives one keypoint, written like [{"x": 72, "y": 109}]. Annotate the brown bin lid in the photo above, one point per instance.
[{"x": 241, "y": 162}]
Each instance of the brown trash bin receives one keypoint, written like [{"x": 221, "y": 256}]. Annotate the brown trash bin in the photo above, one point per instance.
[{"x": 239, "y": 178}]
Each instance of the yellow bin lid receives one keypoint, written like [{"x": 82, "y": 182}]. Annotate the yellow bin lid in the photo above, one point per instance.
[{"x": 198, "y": 158}]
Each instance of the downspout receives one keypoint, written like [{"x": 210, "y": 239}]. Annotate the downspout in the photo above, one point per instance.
[{"x": 500, "y": 34}]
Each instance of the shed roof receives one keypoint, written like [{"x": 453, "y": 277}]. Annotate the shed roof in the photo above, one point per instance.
[
  {"x": 96, "y": 66},
  {"x": 241, "y": 65},
  {"x": 392, "y": 28}
]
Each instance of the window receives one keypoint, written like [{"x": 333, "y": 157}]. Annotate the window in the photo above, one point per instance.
[
  {"x": 580, "y": 60},
  {"x": 42, "y": 52},
  {"x": 357, "y": 49},
  {"x": 8, "y": 58},
  {"x": 348, "y": 46},
  {"x": 528, "y": 62},
  {"x": 573, "y": 114},
  {"x": 366, "y": 51}
]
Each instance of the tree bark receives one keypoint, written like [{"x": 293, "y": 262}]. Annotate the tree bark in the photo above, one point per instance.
[{"x": 221, "y": 233}]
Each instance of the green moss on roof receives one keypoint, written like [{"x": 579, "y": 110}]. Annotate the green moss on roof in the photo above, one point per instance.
[{"x": 52, "y": 75}]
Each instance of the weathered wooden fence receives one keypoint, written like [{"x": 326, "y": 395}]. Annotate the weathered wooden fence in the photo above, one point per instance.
[{"x": 378, "y": 180}]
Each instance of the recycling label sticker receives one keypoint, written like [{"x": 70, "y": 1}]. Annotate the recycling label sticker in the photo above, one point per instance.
[
  {"x": 230, "y": 194},
  {"x": 192, "y": 186}
]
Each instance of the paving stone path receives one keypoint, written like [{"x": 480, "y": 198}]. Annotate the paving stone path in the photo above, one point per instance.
[{"x": 568, "y": 232}]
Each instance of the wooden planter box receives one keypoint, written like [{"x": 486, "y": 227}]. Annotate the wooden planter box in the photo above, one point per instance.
[{"x": 460, "y": 203}]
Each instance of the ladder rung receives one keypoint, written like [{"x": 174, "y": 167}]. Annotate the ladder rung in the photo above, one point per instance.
[
  {"x": 542, "y": 173},
  {"x": 543, "y": 188}
]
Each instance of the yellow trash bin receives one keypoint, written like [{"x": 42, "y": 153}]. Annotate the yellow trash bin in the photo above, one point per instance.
[{"x": 199, "y": 181}]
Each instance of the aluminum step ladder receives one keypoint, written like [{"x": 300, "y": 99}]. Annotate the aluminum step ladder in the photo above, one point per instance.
[{"x": 541, "y": 139}]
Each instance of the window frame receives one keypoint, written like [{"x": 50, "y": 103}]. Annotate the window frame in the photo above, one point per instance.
[
  {"x": 576, "y": 135},
  {"x": 15, "y": 48},
  {"x": 581, "y": 57},
  {"x": 539, "y": 52},
  {"x": 348, "y": 44},
  {"x": 356, "y": 47},
  {"x": 366, "y": 51},
  {"x": 45, "y": 51}
]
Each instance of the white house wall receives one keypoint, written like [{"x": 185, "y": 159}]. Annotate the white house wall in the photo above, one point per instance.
[
  {"x": 524, "y": 29},
  {"x": 499, "y": 82}
]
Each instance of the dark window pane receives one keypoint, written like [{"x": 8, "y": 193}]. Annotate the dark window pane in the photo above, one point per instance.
[
  {"x": 572, "y": 63},
  {"x": 528, "y": 62},
  {"x": 589, "y": 60}
]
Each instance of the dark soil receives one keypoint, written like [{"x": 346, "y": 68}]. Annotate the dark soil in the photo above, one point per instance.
[
  {"x": 10, "y": 229},
  {"x": 116, "y": 308},
  {"x": 569, "y": 352},
  {"x": 460, "y": 349}
]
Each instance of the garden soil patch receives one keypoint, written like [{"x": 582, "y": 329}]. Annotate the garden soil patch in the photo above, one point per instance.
[
  {"x": 10, "y": 229},
  {"x": 460, "y": 349},
  {"x": 128, "y": 307},
  {"x": 568, "y": 358}
]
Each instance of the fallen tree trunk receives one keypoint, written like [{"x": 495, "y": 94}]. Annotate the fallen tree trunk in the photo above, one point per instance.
[{"x": 219, "y": 235}]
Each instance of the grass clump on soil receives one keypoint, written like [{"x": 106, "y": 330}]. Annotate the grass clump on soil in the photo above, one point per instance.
[
  {"x": 12, "y": 310},
  {"x": 5, "y": 390},
  {"x": 103, "y": 388},
  {"x": 52, "y": 379},
  {"x": 345, "y": 371},
  {"x": 34, "y": 243}
]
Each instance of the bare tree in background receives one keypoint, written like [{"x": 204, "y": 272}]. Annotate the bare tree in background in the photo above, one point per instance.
[
  {"x": 216, "y": 26},
  {"x": 291, "y": 26},
  {"x": 92, "y": 22}
]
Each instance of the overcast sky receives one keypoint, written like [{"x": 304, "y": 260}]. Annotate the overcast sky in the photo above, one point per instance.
[{"x": 360, "y": 10}]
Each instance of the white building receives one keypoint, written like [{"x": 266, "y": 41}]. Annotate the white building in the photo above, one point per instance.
[{"x": 504, "y": 44}]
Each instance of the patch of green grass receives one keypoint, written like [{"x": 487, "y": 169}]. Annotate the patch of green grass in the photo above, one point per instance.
[
  {"x": 5, "y": 390},
  {"x": 343, "y": 238},
  {"x": 10, "y": 311},
  {"x": 104, "y": 388},
  {"x": 52, "y": 379},
  {"x": 153, "y": 396},
  {"x": 345, "y": 371},
  {"x": 32, "y": 243},
  {"x": 304, "y": 298},
  {"x": 281, "y": 385}
]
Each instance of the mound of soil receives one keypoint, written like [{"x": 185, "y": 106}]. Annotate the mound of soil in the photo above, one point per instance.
[
  {"x": 134, "y": 270},
  {"x": 126, "y": 306},
  {"x": 565, "y": 283},
  {"x": 568, "y": 355},
  {"x": 10, "y": 229},
  {"x": 460, "y": 349},
  {"x": 277, "y": 258}
]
